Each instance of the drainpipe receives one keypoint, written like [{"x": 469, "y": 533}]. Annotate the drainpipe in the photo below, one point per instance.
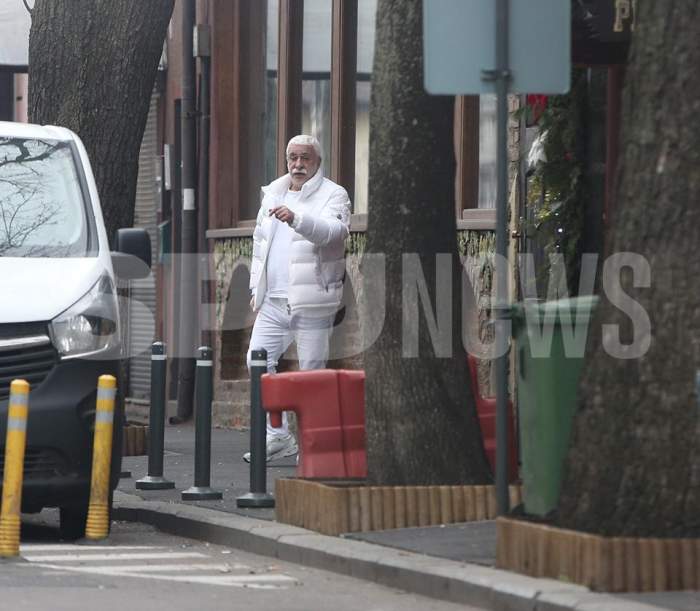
[
  {"x": 202, "y": 50},
  {"x": 188, "y": 276}
]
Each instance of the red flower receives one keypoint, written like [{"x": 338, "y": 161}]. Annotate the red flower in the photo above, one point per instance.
[{"x": 537, "y": 103}]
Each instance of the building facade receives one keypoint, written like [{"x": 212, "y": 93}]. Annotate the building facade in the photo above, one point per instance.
[
  {"x": 282, "y": 67},
  {"x": 279, "y": 68}
]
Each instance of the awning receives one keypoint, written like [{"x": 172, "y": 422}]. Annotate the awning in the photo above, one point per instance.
[{"x": 14, "y": 35}]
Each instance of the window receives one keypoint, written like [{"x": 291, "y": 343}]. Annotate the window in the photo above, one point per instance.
[
  {"x": 316, "y": 76},
  {"x": 366, "y": 12},
  {"x": 487, "y": 151},
  {"x": 42, "y": 211},
  {"x": 270, "y": 120},
  {"x": 323, "y": 88}
]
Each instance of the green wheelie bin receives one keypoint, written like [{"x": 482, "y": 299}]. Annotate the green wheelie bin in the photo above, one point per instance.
[{"x": 550, "y": 339}]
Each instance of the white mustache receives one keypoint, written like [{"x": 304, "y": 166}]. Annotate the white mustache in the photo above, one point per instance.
[{"x": 302, "y": 171}]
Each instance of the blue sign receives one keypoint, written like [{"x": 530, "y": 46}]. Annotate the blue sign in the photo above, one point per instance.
[{"x": 459, "y": 43}]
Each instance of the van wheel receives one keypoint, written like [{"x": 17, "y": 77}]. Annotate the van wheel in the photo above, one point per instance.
[{"x": 72, "y": 522}]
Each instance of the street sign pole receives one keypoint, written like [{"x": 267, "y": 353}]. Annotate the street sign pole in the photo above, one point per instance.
[
  {"x": 500, "y": 76},
  {"x": 457, "y": 45},
  {"x": 502, "y": 86}
]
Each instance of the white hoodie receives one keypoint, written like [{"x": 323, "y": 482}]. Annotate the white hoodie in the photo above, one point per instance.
[{"x": 317, "y": 257}]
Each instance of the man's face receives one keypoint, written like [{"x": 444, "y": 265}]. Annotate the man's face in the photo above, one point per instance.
[{"x": 302, "y": 163}]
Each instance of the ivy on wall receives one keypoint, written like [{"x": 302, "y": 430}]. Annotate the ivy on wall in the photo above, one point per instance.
[
  {"x": 556, "y": 190},
  {"x": 234, "y": 248},
  {"x": 476, "y": 246},
  {"x": 470, "y": 243},
  {"x": 356, "y": 244},
  {"x": 476, "y": 243},
  {"x": 227, "y": 254}
]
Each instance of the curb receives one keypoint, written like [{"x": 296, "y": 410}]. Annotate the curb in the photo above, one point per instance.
[{"x": 438, "y": 578}]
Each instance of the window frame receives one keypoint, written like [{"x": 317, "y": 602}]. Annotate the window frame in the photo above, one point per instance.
[
  {"x": 289, "y": 75},
  {"x": 343, "y": 93},
  {"x": 343, "y": 112}
]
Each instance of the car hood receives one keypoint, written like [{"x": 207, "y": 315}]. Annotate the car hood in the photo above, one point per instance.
[{"x": 38, "y": 289}]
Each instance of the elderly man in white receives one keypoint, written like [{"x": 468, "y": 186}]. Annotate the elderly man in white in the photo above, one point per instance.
[{"x": 298, "y": 268}]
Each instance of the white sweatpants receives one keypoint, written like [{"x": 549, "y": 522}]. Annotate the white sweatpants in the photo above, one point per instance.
[{"x": 276, "y": 328}]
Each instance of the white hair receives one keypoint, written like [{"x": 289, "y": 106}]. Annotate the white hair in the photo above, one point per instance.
[{"x": 306, "y": 141}]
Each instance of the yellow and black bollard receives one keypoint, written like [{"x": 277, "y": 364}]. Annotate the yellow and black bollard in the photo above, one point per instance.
[
  {"x": 15, "y": 443},
  {"x": 97, "y": 525}
]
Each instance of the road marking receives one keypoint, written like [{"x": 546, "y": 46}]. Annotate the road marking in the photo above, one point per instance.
[
  {"x": 101, "y": 557},
  {"x": 258, "y": 581},
  {"x": 156, "y": 568},
  {"x": 247, "y": 581},
  {"x": 84, "y": 559},
  {"x": 62, "y": 547}
]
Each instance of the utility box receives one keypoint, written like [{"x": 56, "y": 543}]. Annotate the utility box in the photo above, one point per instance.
[{"x": 551, "y": 341}]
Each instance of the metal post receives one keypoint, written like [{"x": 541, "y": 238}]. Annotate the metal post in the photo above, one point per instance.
[
  {"x": 124, "y": 473},
  {"x": 201, "y": 490},
  {"x": 97, "y": 523},
  {"x": 156, "y": 421},
  {"x": 258, "y": 496},
  {"x": 13, "y": 469},
  {"x": 502, "y": 83}
]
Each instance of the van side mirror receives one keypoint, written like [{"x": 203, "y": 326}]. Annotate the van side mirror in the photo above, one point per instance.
[{"x": 132, "y": 258}]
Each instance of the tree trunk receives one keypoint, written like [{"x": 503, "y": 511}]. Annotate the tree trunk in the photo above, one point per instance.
[
  {"x": 634, "y": 465},
  {"x": 422, "y": 426},
  {"x": 92, "y": 66}
]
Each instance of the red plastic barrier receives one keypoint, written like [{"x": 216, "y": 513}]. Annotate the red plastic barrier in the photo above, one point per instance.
[
  {"x": 330, "y": 409},
  {"x": 486, "y": 410},
  {"x": 351, "y": 388}
]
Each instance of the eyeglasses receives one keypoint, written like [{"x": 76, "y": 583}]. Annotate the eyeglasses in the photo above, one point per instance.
[{"x": 293, "y": 158}]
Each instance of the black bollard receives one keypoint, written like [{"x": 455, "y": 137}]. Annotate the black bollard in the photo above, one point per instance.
[
  {"x": 258, "y": 496},
  {"x": 124, "y": 473},
  {"x": 119, "y": 439},
  {"x": 201, "y": 490},
  {"x": 156, "y": 422}
]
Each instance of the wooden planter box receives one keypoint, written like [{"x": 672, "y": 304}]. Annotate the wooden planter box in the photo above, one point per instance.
[
  {"x": 135, "y": 440},
  {"x": 332, "y": 508},
  {"x": 610, "y": 564}
]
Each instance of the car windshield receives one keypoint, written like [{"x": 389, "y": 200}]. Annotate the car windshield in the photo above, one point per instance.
[{"x": 42, "y": 211}]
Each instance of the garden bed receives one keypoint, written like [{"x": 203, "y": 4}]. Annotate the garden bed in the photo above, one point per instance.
[
  {"x": 345, "y": 506},
  {"x": 610, "y": 564}
]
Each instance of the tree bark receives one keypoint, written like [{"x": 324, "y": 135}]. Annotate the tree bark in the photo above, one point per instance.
[
  {"x": 633, "y": 468},
  {"x": 422, "y": 426},
  {"x": 92, "y": 65}
]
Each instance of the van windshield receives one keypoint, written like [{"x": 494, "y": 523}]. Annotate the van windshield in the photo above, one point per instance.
[{"x": 42, "y": 211}]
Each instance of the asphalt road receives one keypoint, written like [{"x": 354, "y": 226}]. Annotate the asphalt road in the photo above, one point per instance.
[{"x": 141, "y": 568}]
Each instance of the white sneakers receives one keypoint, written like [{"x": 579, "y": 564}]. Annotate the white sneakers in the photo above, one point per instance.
[{"x": 278, "y": 447}]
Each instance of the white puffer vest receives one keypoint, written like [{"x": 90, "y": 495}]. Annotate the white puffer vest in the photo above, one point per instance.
[{"x": 317, "y": 257}]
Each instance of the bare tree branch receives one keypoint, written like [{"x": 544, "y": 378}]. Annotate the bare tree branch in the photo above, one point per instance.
[{"x": 25, "y": 155}]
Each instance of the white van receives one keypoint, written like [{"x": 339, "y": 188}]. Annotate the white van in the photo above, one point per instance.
[{"x": 59, "y": 313}]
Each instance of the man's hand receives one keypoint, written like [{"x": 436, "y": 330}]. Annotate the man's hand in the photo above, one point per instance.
[{"x": 282, "y": 213}]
